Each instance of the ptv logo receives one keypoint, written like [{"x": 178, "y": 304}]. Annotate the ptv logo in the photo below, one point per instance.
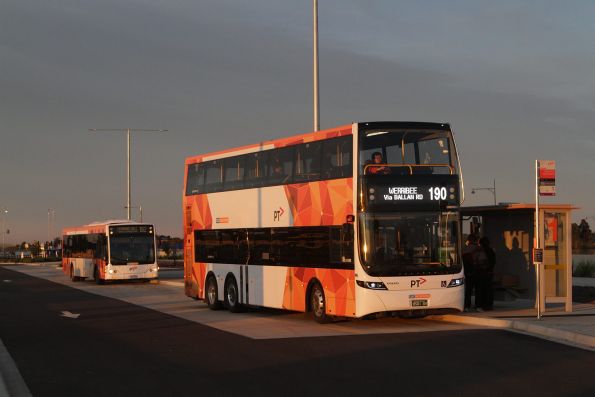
[
  {"x": 278, "y": 214},
  {"x": 418, "y": 282}
]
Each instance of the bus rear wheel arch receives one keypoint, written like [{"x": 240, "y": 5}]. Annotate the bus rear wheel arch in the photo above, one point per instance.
[
  {"x": 317, "y": 302},
  {"x": 211, "y": 294},
  {"x": 97, "y": 276},
  {"x": 231, "y": 295}
]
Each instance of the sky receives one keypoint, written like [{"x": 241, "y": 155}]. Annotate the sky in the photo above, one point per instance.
[{"x": 514, "y": 78}]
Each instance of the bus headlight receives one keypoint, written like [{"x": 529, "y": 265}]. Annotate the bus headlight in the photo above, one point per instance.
[
  {"x": 371, "y": 284},
  {"x": 456, "y": 282}
]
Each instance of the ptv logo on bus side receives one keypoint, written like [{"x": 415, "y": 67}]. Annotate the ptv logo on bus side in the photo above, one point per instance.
[
  {"x": 278, "y": 214},
  {"x": 418, "y": 282}
]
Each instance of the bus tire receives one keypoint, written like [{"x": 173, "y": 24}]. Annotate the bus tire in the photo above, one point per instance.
[
  {"x": 73, "y": 278},
  {"x": 96, "y": 276},
  {"x": 211, "y": 295},
  {"x": 232, "y": 302},
  {"x": 318, "y": 304}
]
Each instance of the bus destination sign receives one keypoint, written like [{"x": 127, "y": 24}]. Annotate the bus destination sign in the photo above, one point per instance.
[
  {"x": 131, "y": 229},
  {"x": 421, "y": 192}
]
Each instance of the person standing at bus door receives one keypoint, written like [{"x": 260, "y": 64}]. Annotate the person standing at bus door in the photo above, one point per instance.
[
  {"x": 469, "y": 255},
  {"x": 377, "y": 170},
  {"x": 485, "y": 275}
]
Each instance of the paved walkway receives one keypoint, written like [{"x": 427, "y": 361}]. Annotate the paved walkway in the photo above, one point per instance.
[{"x": 576, "y": 328}]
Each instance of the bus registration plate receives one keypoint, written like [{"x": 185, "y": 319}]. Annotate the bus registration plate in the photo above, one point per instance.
[{"x": 419, "y": 302}]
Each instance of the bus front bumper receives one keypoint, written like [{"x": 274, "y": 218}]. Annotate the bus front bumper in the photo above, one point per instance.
[{"x": 427, "y": 301}]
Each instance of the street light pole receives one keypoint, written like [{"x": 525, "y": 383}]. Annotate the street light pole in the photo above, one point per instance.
[
  {"x": 316, "y": 98},
  {"x": 3, "y": 212},
  {"x": 140, "y": 210},
  {"x": 490, "y": 189},
  {"x": 129, "y": 199},
  {"x": 127, "y": 130},
  {"x": 51, "y": 214}
]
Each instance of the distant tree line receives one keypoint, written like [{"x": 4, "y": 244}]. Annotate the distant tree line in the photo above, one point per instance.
[{"x": 582, "y": 236}]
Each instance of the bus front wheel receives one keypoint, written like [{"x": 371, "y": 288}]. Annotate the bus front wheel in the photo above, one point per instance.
[
  {"x": 318, "y": 304},
  {"x": 231, "y": 295},
  {"x": 211, "y": 294}
]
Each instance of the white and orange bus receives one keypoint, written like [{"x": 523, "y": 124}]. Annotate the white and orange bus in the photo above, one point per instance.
[
  {"x": 110, "y": 250},
  {"x": 349, "y": 222}
]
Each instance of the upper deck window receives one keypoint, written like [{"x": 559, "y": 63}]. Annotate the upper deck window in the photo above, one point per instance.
[
  {"x": 336, "y": 157},
  {"x": 406, "y": 152},
  {"x": 195, "y": 180},
  {"x": 213, "y": 176},
  {"x": 256, "y": 165},
  {"x": 307, "y": 162},
  {"x": 234, "y": 173},
  {"x": 280, "y": 169}
]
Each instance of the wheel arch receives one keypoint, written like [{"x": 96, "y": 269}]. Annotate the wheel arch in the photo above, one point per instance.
[
  {"x": 208, "y": 274},
  {"x": 313, "y": 281}
]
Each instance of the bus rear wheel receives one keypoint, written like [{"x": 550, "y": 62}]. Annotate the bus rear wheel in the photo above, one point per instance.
[
  {"x": 318, "y": 304},
  {"x": 211, "y": 296},
  {"x": 96, "y": 276},
  {"x": 231, "y": 296}
]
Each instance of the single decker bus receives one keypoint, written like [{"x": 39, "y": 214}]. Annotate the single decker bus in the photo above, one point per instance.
[
  {"x": 352, "y": 221},
  {"x": 110, "y": 250}
]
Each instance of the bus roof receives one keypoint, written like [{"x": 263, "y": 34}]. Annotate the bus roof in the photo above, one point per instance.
[
  {"x": 271, "y": 144},
  {"x": 312, "y": 136},
  {"x": 97, "y": 226}
]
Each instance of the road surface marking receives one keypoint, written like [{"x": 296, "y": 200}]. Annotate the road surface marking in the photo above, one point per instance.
[{"x": 70, "y": 315}]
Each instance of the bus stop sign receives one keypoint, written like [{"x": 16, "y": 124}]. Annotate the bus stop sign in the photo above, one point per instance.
[{"x": 547, "y": 177}]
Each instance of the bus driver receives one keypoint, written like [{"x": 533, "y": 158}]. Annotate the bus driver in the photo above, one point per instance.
[{"x": 377, "y": 159}]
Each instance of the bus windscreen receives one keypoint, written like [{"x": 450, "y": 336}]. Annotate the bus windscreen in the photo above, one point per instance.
[{"x": 132, "y": 244}]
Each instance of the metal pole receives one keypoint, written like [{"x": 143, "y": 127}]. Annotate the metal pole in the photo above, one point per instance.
[
  {"x": 128, "y": 177},
  {"x": 140, "y": 209},
  {"x": 128, "y": 201},
  {"x": 315, "y": 33},
  {"x": 495, "y": 201},
  {"x": 537, "y": 264},
  {"x": 3, "y": 212},
  {"x": 48, "y": 226}
]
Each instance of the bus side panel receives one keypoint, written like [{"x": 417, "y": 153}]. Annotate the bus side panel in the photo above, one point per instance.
[
  {"x": 320, "y": 203},
  {"x": 195, "y": 284},
  {"x": 338, "y": 285},
  {"x": 197, "y": 216}
]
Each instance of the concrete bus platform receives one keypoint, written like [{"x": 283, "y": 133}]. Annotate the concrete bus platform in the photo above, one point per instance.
[{"x": 576, "y": 328}]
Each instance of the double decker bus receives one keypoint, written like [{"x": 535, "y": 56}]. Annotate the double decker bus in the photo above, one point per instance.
[
  {"x": 110, "y": 250},
  {"x": 347, "y": 222}
]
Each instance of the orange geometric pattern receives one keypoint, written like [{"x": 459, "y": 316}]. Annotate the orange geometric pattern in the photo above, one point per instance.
[
  {"x": 201, "y": 212},
  {"x": 320, "y": 203},
  {"x": 338, "y": 285},
  {"x": 200, "y": 219}
]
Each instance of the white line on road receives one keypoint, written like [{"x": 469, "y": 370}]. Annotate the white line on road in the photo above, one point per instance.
[{"x": 69, "y": 314}]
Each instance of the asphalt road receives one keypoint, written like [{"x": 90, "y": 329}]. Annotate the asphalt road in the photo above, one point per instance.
[{"x": 117, "y": 348}]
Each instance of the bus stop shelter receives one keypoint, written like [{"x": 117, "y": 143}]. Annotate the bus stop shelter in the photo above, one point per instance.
[{"x": 511, "y": 231}]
